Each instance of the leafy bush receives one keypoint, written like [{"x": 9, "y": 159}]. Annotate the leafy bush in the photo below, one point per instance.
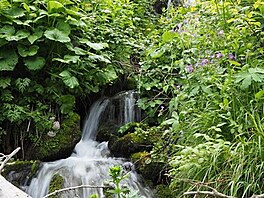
[{"x": 53, "y": 51}]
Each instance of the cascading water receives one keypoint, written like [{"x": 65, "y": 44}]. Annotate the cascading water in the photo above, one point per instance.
[{"x": 90, "y": 162}]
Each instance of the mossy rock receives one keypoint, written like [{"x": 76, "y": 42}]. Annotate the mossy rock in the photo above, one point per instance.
[
  {"x": 127, "y": 145},
  {"x": 150, "y": 170},
  {"x": 56, "y": 183},
  {"x": 62, "y": 144},
  {"x": 106, "y": 130},
  {"x": 19, "y": 172},
  {"x": 163, "y": 191}
]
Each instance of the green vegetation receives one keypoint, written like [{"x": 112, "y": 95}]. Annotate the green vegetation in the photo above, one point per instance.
[
  {"x": 201, "y": 83},
  {"x": 199, "y": 71},
  {"x": 55, "y": 52}
]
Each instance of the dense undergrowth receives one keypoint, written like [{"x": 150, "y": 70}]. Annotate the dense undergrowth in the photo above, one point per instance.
[
  {"x": 201, "y": 83},
  {"x": 53, "y": 52},
  {"x": 200, "y": 79}
]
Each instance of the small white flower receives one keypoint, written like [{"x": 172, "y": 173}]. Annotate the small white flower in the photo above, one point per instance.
[
  {"x": 51, "y": 134},
  {"x": 56, "y": 125}
]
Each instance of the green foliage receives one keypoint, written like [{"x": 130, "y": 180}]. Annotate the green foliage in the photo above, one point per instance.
[
  {"x": 201, "y": 85},
  {"x": 52, "y": 52}
]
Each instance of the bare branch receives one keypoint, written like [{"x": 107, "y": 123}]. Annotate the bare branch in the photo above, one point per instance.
[
  {"x": 257, "y": 196},
  {"x": 213, "y": 193},
  {"x": 72, "y": 188},
  {"x": 8, "y": 157}
]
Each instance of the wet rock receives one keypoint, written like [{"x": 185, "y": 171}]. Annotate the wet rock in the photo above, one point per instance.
[
  {"x": 150, "y": 170},
  {"x": 127, "y": 145},
  {"x": 20, "y": 173},
  {"x": 61, "y": 144}
]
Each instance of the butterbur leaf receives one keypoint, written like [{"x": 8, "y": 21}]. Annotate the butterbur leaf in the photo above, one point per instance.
[
  {"x": 21, "y": 34},
  {"x": 97, "y": 46},
  {"x": 37, "y": 34},
  {"x": 25, "y": 51},
  {"x": 34, "y": 63},
  {"x": 16, "y": 12},
  {"x": 55, "y": 6},
  {"x": 68, "y": 59},
  {"x": 8, "y": 60},
  {"x": 64, "y": 27},
  {"x": 57, "y": 35},
  {"x": 98, "y": 57},
  {"x": 110, "y": 73},
  {"x": 68, "y": 79},
  {"x": 7, "y": 31},
  {"x": 67, "y": 103}
]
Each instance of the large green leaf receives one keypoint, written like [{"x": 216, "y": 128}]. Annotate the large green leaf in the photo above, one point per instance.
[
  {"x": 25, "y": 51},
  {"x": 34, "y": 63},
  {"x": 110, "y": 73},
  {"x": 64, "y": 27},
  {"x": 7, "y": 31},
  {"x": 96, "y": 57},
  {"x": 68, "y": 59},
  {"x": 57, "y": 35},
  {"x": 8, "y": 60},
  {"x": 68, "y": 79},
  {"x": 15, "y": 12},
  {"x": 35, "y": 36},
  {"x": 21, "y": 34},
  {"x": 97, "y": 46},
  {"x": 67, "y": 103},
  {"x": 55, "y": 6}
]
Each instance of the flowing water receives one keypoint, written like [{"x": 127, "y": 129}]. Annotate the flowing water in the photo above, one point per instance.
[{"x": 90, "y": 162}]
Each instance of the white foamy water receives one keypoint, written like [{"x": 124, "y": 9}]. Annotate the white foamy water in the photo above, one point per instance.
[{"x": 90, "y": 161}]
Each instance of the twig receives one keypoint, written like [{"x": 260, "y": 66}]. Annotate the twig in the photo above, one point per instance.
[
  {"x": 257, "y": 196},
  {"x": 213, "y": 193},
  {"x": 8, "y": 157},
  {"x": 72, "y": 188}
]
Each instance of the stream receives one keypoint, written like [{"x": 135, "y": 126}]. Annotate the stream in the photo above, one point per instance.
[{"x": 90, "y": 161}]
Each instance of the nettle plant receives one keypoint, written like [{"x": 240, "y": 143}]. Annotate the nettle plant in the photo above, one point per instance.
[{"x": 52, "y": 51}]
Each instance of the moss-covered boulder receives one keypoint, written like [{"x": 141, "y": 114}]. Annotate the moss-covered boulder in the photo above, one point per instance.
[
  {"x": 59, "y": 141},
  {"x": 127, "y": 145},
  {"x": 20, "y": 173},
  {"x": 107, "y": 130},
  {"x": 163, "y": 191},
  {"x": 56, "y": 183},
  {"x": 149, "y": 169}
]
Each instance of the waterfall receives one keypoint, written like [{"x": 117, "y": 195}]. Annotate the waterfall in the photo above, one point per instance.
[{"x": 90, "y": 161}]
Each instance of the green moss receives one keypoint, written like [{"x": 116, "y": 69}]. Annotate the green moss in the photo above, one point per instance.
[
  {"x": 66, "y": 136},
  {"x": 163, "y": 191},
  {"x": 56, "y": 183},
  {"x": 140, "y": 157}
]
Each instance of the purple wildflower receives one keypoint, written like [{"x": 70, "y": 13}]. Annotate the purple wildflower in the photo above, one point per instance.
[
  {"x": 161, "y": 107},
  {"x": 231, "y": 56},
  {"x": 189, "y": 68},
  {"x": 219, "y": 55},
  {"x": 204, "y": 61}
]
